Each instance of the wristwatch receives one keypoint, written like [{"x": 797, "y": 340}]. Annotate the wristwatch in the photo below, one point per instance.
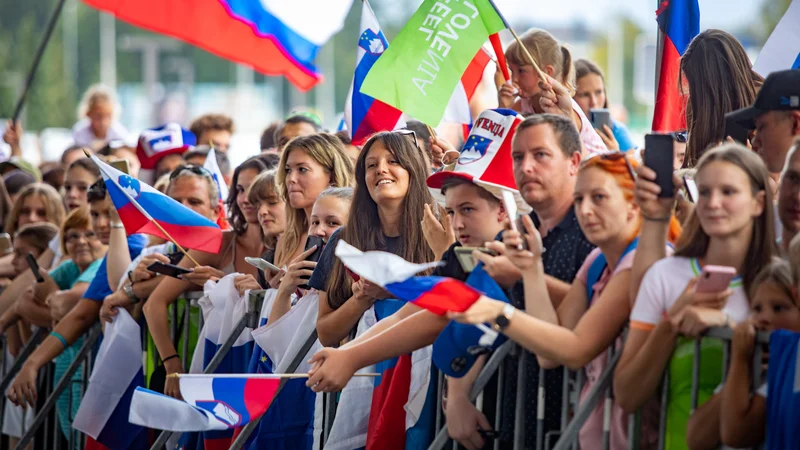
[
  {"x": 128, "y": 289},
  {"x": 117, "y": 225},
  {"x": 504, "y": 319}
]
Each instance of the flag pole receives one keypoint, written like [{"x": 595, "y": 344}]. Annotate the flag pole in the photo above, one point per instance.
[
  {"x": 539, "y": 72},
  {"x": 255, "y": 376},
  {"x": 158, "y": 225},
  {"x": 36, "y": 60}
]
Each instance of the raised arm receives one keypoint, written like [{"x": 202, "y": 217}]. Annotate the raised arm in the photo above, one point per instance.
[{"x": 118, "y": 258}]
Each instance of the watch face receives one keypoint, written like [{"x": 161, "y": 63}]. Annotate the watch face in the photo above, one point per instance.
[{"x": 501, "y": 321}]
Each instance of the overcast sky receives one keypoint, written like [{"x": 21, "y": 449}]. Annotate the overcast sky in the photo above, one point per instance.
[{"x": 725, "y": 14}]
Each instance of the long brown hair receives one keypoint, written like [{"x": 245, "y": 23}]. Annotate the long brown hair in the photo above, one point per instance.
[
  {"x": 585, "y": 67},
  {"x": 717, "y": 76},
  {"x": 363, "y": 228},
  {"x": 53, "y": 206},
  {"x": 694, "y": 241},
  {"x": 327, "y": 150}
]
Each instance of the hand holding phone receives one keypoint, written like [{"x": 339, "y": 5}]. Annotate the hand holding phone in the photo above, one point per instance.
[
  {"x": 169, "y": 270},
  {"x": 659, "y": 156},
  {"x": 715, "y": 279},
  {"x": 599, "y": 117},
  {"x": 261, "y": 264},
  {"x": 464, "y": 256},
  {"x": 34, "y": 265}
]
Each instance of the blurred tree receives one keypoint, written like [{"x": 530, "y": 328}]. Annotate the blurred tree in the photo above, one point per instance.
[{"x": 771, "y": 13}]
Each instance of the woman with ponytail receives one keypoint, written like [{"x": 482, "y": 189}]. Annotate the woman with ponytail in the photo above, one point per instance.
[
  {"x": 528, "y": 94},
  {"x": 577, "y": 332}
]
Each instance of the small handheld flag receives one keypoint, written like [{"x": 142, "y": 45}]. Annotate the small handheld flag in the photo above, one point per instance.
[
  {"x": 213, "y": 168},
  {"x": 143, "y": 209},
  {"x": 436, "y": 294}
]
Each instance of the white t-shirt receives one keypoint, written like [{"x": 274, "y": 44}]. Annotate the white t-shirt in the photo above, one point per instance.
[
  {"x": 663, "y": 284},
  {"x": 82, "y": 133}
]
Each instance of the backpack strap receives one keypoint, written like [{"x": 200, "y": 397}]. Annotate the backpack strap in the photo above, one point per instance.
[{"x": 599, "y": 265}]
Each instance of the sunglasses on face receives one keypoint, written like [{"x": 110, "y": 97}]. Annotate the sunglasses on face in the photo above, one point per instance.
[{"x": 680, "y": 136}]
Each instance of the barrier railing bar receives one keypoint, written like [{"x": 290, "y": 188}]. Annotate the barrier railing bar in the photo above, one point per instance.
[
  {"x": 539, "y": 409},
  {"x": 26, "y": 351},
  {"x": 65, "y": 380},
  {"x": 440, "y": 391},
  {"x": 519, "y": 407},
  {"x": 634, "y": 429},
  {"x": 249, "y": 320},
  {"x": 609, "y": 399},
  {"x": 579, "y": 380},
  {"x": 238, "y": 444},
  {"x": 493, "y": 364},
  {"x": 570, "y": 435},
  {"x": 186, "y": 318},
  {"x": 726, "y": 359},
  {"x": 329, "y": 415},
  {"x": 498, "y": 405},
  {"x": 698, "y": 344}
]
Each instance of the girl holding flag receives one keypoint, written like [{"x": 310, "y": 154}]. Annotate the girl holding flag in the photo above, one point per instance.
[{"x": 528, "y": 94}]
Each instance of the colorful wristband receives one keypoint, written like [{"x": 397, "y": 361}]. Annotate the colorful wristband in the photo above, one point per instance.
[{"x": 60, "y": 338}]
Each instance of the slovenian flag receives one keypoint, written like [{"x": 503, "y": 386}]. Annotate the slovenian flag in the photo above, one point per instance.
[
  {"x": 275, "y": 37},
  {"x": 678, "y": 24},
  {"x": 117, "y": 373},
  {"x": 210, "y": 402},
  {"x": 363, "y": 114},
  {"x": 782, "y": 49},
  {"x": 139, "y": 206},
  {"x": 420, "y": 72},
  {"x": 436, "y": 294}
]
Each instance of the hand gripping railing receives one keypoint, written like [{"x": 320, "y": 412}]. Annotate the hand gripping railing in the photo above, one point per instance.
[
  {"x": 64, "y": 383},
  {"x": 249, "y": 320}
]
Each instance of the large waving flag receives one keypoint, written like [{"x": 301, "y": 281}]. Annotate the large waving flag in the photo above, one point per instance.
[
  {"x": 458, "y": 110},
  {"x": 140, "y": 206},
  {"x": 275, "y": 37},
  {"x": 117, "y": 373},
  {"x": 436, "y": 294},
  {"x": 782, "y": 49},
  {"x": 421, "y": 70},
  {"x": 210, "y": 402},
  {"x": 678, "y": 24},
  {"x": 363, "y": 114}
]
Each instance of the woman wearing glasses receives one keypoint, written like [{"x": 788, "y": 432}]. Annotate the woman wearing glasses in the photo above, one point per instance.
[{"x": 591, "y": 317}]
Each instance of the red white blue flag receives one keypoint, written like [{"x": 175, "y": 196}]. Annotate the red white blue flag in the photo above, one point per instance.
[
  {"x": 436, "y": 294},
  {"x": 363, "y": 114},
  {"x": 678, "y": 24},
  {"x": 275, "y": 37},
  {"x": 139, "y": 206}
]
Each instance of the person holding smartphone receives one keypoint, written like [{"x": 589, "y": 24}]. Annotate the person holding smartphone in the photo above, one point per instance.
[
  {"x": 591, "y": 93},
  {"x": 732, "y": 225}
]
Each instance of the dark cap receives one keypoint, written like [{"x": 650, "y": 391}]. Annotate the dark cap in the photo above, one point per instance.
[{"x": 780, "y": 92}]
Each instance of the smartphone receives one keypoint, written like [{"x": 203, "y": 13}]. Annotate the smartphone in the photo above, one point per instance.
[
  {"x": 121, "y": 165},
  {"x": 5, "y": 244},
  {"x": 261, "y": 264},
  {"x": 170, "y": 270},
  {"x": 691, "y": 189},
  {"x": 34, "y": 265},
  {"x": 310, "y": 242},
  {"x": 715, "y": 279},
  {"x": 464, "y": 256},
  {"x": 735, "y": 131},
  {"x": 599, "y": 117},
  {"x": 659, "y": 155}
]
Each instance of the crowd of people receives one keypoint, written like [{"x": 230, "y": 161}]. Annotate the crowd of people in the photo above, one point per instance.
[{"x": 598, "y": 260}]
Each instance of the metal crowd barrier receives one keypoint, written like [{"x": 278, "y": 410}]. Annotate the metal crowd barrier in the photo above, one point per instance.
[
  {"x": 580, "y": 411},
  {"x": 83, "y": 358},
  {"x": 249, "y": 320}
]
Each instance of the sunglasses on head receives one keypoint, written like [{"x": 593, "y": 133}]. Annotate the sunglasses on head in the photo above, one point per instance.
[
  {"x": 197, "y": 170},
  {"x": 96, "y": 193},
  {"x": 409, "y": 133}
]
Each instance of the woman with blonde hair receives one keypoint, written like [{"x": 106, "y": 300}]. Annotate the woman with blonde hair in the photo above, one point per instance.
[
  {"x": 308, "y": 166},
  {"x": 528, "y": 94}
]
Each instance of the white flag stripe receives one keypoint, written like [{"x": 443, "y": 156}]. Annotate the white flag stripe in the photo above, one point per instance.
[
  {"x": 782, "y": 49},
  {"x": 152, "y": 410},
  {"x": 380, "y": 268},
  {"x": 213, "y": 168}
]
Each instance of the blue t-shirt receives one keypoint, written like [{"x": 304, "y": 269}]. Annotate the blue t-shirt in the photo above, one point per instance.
[
  {"x": 623, "y": 136},
  {"x": 99, "y": 289}
]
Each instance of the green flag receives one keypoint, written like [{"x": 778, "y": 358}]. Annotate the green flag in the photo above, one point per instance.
[{"x": 418, "y": 73}]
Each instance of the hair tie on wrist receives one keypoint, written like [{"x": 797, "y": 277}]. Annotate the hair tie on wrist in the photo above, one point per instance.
[
  {"x": 169, "y": 357},
  {"x": 657, "y": 219}
]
